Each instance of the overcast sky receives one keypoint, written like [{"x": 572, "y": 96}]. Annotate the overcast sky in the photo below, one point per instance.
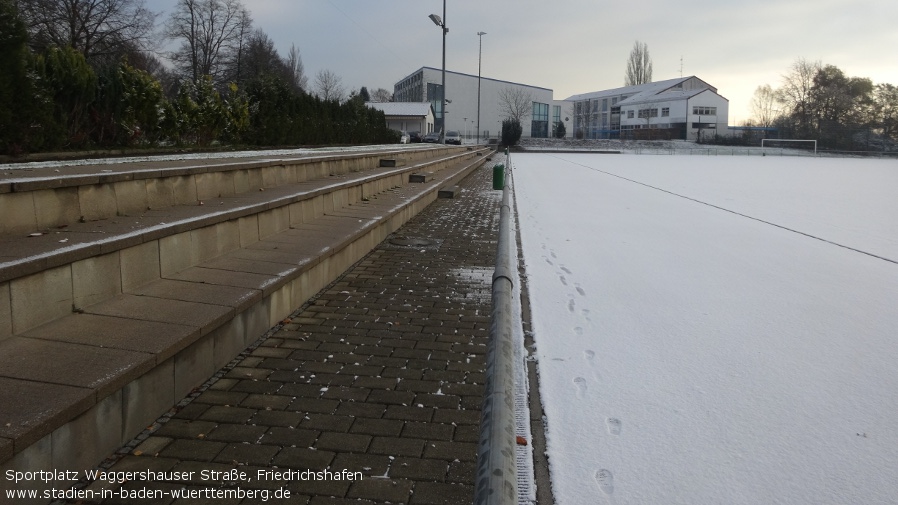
[{"x": 579, "y": 46}]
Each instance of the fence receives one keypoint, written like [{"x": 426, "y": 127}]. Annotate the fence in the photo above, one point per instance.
[{"x": 496, "y": 479}]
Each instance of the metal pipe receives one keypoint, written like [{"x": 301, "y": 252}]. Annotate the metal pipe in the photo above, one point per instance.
[{"x": 496, "y": 479}]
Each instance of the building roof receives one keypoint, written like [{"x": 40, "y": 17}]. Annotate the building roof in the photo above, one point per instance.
[
  {"x": 660, "y": 97},
  {"x": 649, "y": 92},
  {"x": 419, "y": 109},
  {"x": 474, "y": 76}
]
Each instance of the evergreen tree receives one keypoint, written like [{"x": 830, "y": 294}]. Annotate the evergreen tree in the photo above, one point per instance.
[
  {"x": 71, "y": 83},
  {"x": 559, "y": 130},
  {"x": 24, "y": 113},
  {"x": 511, "y": 132}
]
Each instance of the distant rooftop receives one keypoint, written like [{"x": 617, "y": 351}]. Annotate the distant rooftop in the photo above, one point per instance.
[
  {"x": 474, "y": 76},
  {"x": 644, "y": 93},
  {"x": 419, "y": 109}
]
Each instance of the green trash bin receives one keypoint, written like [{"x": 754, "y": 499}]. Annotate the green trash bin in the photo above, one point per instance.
[{"x": 499, "y": 176}]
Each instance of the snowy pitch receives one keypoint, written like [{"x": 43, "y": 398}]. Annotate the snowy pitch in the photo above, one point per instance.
[{"x": 714, "y": 330}]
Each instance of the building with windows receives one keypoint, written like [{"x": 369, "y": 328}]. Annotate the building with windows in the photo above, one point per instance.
[
  {"x": 683, "y": 108},
  {"x": 407, "y": 116},
  {"x": 424, "y": 85}
]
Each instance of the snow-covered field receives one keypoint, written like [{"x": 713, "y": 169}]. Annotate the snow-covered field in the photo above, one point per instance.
[{"x": 714, "y": 330}]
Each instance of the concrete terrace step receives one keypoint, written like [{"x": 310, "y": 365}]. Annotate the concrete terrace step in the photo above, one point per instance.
[
  {"x": 45, "y": 198},
  {"x": 102, "y": 333},
  {"x": 186, "y": 235}
]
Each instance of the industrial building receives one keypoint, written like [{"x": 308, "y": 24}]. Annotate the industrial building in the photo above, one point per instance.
[
  {"x": 424, "y": 85},
  {"x": 685, "y": 108}
]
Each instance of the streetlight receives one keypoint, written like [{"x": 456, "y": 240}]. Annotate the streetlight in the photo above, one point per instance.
[
  {"x": 479, "y": 59},
  {"x": 441, "y": 22},
  {"x": 466, "y": 127}
]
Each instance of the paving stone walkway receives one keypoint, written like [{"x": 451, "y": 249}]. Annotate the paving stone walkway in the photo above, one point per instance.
[{"x": 380, "y": 374}]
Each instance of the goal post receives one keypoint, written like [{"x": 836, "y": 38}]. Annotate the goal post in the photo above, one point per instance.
[{"x": 790, "y": 140}]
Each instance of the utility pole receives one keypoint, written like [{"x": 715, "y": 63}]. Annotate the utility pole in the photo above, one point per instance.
[
  {"x": 479, "y": 59},
  {"x": 441, "y": 22}
]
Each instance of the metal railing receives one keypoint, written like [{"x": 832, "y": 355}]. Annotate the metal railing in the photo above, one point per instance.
[{"x": 496, "y": 479}]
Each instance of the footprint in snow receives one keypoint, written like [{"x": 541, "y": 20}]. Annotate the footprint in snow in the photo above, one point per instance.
[
  {"x": 562, "y": 279},
  {"x": 579, "y": 331},
  {"x": 566, "y": 270},
  {"x": 590, "y": 355},
  {"x": 581, "y": 290},
  {"x": 605, "y": 480},
  {"x": 571, "y": 306},
  {"x": 580, "y": 382},
  {"x": 614, "y": 425}
]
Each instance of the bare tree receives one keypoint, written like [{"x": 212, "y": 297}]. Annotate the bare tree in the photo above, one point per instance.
[
  {"x": 795, "y": 94},
  {"x": 96, "y": 28},
  {"x": 763, "y": 106},
  {"x": 297, "y": 69},
  {"x": 329, "y": 86},
  {"x": 515, "y": 103},
  {"x": 258, "y": 58},
  {"x": 234, "y": 59},
  {"x": 211, "y": 32},
  {"x": 639, "y": 65},
  {"x": 885, "y": 109},
  {"x": 381, "y": 95}
]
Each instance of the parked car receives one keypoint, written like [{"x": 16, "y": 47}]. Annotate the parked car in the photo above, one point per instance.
[
  {"x": 415, "y": 137},
  {"x": 432, "y": 137},
  {"x": 403, "y": 137},
  {"x": 453, "y": 137}
]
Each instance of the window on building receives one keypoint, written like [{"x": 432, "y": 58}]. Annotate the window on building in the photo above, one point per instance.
[
  {"x": 704, "y": 111},
  {"x": 665, "y": 111},
  {"x": 646, "y": 113},
  {"x": 614, "y": 101},
  {"x": 629, "y": 114},
  {"x": 604, "y": 104},
  {"x": 595, "y": 105},
  {"x": 539, "y": 126}
]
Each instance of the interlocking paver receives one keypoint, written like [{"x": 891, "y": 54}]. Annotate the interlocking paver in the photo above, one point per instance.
[
  {"x": 382, "y": 373},
  {"x": 237, "y": 433}
]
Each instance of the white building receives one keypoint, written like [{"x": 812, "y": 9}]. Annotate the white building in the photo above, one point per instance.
[
  {"x": 407, "y": 116},
  {"x": 424, "y": 85},
  {"x": 683, "y": 108}
]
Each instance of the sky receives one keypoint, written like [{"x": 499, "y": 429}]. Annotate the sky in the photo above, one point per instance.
[
  {"x": 713, "y": 329},
  {"x": 580, "y": 46}
]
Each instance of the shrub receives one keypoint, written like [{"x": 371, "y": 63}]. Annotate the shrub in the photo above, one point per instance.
[{"x": 511, "y": 132}]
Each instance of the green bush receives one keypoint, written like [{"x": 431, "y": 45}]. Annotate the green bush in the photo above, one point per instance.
[
  {"x": 25, "y": 113},
  {"x": 559, "y": 130},
  {"x": 511, "y": 132}
]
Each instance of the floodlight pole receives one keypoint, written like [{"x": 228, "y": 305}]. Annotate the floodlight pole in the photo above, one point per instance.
[
  {"x": 441, "y": 22},
  {"x": 445, "y": 31},
  {"x": 479, "y": 60}
]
